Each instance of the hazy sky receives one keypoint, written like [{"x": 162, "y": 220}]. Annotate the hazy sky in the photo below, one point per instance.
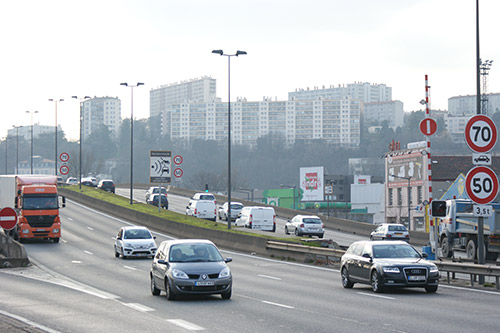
[{"x": 56, "y": 49}]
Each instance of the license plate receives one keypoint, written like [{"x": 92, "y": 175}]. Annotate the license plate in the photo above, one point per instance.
[
  {"x": 41, "y": 230},
  {"x": 398, "y": 233},
  {"x": 313, "y": 229},
  {"x": 416, "y": 278},
  {"x": 204, "y": 283}
]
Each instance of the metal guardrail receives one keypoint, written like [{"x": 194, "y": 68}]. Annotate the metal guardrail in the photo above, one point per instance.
[
  {"x": 328, "y": 252},
  {"x": 472, "y": 269}
]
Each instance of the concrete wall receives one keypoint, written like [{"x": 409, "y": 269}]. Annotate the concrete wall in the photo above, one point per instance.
[{"x": 12, "y": 253}]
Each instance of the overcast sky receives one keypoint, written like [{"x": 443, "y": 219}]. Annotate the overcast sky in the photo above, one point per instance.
[{"x": 56, "y": 49}]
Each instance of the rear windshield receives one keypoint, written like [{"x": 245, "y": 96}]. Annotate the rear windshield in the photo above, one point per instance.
[
  {"x": 397, "y": 228},
  {"x": 311, "y": 221},
  {"x": 207, "y": 197},
  {"x": 235, "y": 206}
]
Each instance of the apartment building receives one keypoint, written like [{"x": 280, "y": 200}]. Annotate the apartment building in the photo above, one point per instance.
[
  {"x": 386, "y": 111},
  {"x": 363, "y": 91},
  {"x": 99, "y": 111}
]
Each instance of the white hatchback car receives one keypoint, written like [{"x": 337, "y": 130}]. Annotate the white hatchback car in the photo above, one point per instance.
[
  {"x": 302, "y": 225},
  {"x": 135, "y": 241}
]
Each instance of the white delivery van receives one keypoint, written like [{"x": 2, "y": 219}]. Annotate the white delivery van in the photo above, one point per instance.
[
  {"x": 259, "y": 218},
  {"x": 203, "y": 209}
]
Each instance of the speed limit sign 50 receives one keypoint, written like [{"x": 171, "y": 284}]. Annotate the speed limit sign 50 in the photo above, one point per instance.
[{"x": 481, "y": 185}]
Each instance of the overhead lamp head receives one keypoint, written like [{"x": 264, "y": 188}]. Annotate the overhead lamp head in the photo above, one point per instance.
[
  {"x": 74, "y": 96},
  {"x": 240, "y": 53},
  {"x": 140, "y": 84},
  {"x": 218, "y": 52},
  {"x": 51, "y": 100},
  {"x": 124, "y": 84}
]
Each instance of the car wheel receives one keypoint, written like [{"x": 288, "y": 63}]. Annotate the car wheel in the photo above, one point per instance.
[
  {"x": 226, "y": 295},
  {"x": 321, "y": 236},
  {"x": 376, "y": 283},
  {"x": 116, "y": 253},
  {"x": 155, "y": 291},
  {"x": 371, "y": 238},
  {"x": 470, "y": 249},
  {"x": 168, "y": 291},
  {"x": 55, "y": 240},
  {"x": 346, "y": 283},
  {"x": 214, "y": 219},
  {"x": 286, "y": 230},
  {"x": 445, "y": 248},
  {"x": 431, "y": 289},
  {"x": 123, "y": 254},
  {"x": 296, "y": 231}
]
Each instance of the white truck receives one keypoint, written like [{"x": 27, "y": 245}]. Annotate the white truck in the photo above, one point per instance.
[{"x": 458, "y": 230}]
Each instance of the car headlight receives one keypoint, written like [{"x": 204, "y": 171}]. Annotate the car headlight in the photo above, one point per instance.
[
  {"x": 127, "y": 245},
  {"x": 391, "y": 270},
  {"x": 434, "y": 269},
  {"x": 178, "y": 274},
  {"x": 226, "y": 272}
]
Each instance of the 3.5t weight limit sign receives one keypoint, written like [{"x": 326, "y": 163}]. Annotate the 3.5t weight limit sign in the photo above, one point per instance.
[
  {"x": 481, "y": 133},
  {"x": 481, "y": 185}
]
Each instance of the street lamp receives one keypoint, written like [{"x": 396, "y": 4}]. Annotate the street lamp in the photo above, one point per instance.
[
  {"x": 55, "y": 157},
  {"x": 132, "y": 136},
  {"x": 409, "y": 193},
  {"x": 81, "y": 138},
  {"x": 17, "y": 148},
  {"x": 31, "y": 113},
  {"x": 238, "y": 53}
]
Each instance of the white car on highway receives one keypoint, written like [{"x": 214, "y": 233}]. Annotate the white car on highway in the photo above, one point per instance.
[
  {"x": 236, "y": 208},
  {"x": 135, "y": 241}
]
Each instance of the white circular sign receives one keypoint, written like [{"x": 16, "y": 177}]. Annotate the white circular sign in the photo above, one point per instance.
[
  {"x": 178, "y": 159},
  {"x": 178, "y": 172},
  {"x": 481, "y": 133},
  {"x": 64, "y": 170},
  {"x": 481, "y": 185},
  {"x": 64, "y": 157}
]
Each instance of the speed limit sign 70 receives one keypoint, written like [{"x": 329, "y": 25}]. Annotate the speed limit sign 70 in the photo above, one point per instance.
[
  {"x": 481, "y": 133},
  {"x": 481, "y": 184}
]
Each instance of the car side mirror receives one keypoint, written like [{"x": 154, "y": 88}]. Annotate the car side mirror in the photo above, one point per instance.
[
  {"x": 229, "y": 259},
  {"x": 424, "y": 255},
  {"x": 187, "y": 207},
  {"x": 162, "y": 262},
  {"x": 366, "y": 255}
]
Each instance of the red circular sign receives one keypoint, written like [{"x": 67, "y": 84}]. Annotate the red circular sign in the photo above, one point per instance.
[
  {"x": 8, "y": 218},
  {"x": 428, "y": 126},
  {"x": 64, "y": 170},
  {"x": 481, "y": 185},
  {"x": 178, "y": 159},
  {"x": 481, "y": 133},
  {"x": 64, "y": 157},
  {"x": 178, "y": 172}
]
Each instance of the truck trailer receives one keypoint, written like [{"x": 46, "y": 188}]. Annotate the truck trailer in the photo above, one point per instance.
[{"x": 37, "y": 203}]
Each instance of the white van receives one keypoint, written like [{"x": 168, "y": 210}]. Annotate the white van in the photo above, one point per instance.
[
  {"x": 259, "y": 218},
  {"x": 204, "y": 209}
]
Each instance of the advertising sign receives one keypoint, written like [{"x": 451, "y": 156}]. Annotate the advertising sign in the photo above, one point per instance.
[
  {"x": 311, "y": 182},
  {"x": 403, "y": 166}
]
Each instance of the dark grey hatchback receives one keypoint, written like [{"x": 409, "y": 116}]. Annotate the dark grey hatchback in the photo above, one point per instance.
[
  {"x": 190, "y": 267},
  {"x": 384, "y": 264}
]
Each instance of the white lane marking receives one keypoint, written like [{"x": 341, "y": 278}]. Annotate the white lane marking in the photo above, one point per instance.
[
  {"x": 90, "y": 228},
  {"x": 470, "y": 289},
  {"x": 131, "y": 268},
  {"x": 29, "y": 322},
  {"x": 372, "y": 295},
  {"x": 138, "y": 307},
  {"x": 76, "y": 261},
  {"x": 63, "y": 240},
  {"x": 278, "y": 304},
  {"x": 88, "y": 252},
  {"x": 185, "y": 324},
  {"x": 269, "y": 277},
  {"x": 69, "y": 218}
]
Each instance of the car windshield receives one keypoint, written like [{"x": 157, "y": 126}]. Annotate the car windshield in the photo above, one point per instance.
[
  {"x": 236, "y": 206},
  {"x": 397, "y": 228},
  {"x": 194, "y": 253},
  {"x": 137, "y": 234},
  {"x": 394, "y": 251},
  {"x": 40, "y": 202},
  {"x": 311, "y": 221}
]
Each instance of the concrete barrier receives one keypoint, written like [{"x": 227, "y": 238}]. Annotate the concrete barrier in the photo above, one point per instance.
[{"x": 12, "y": 253}]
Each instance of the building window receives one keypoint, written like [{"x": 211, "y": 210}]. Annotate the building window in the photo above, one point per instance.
[
  {"x": 391, "y": 198},
  {"x": 400, "y": 197},
  {"x": 419, "y": 194}
]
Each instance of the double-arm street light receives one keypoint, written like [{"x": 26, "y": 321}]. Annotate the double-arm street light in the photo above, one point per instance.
[
  {"x": 81, "y": 138},
  {"x": 409, "y": 195},
  {"x": 55, "y": 157},
  {"x": 238, "y": 53},
  {"x": 31, "y": 113},
  {"x": 132, "y": 136}
]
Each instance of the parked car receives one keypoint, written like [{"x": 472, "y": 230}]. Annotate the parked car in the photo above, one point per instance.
[
  {"x": 134, "y": 241},
  {"x": 153, "y": 200},
  {"x": 190, "y": 266},
  {"x": 71, "y": 181},
  {"x": 204, "y": 196},
  {"x": 390, "y": 231},
  {"x": 236, "y": 208},
  {"x": 155, "y": 190},
  {"x": 256, "y": 217},
  {"x": 387, "y": 264},
  {"x": 106, "y": 185},
  {"x": 204, "y": 209},
  {"x": 305, "y": 225}
]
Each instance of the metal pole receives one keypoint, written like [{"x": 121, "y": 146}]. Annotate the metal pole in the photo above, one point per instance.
[
  {"x": 32, "y": 143},
  {"x": 132, "y": 144},
  {"x": 55, "y": 146},
  {"x": 17, "y": 150},
  {"x": 81, "y": 139},
  {"x": 480, "y": 222},
  {"x": 409, "y": 210},
  {"x": 229, "y": 141},
  {"x": 6, "y": 153}
]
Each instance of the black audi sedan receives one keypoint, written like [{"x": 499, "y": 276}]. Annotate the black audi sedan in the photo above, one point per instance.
[{"x": 387, "y": 264}]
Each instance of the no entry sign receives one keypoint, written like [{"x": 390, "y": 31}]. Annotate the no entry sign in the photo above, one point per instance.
[
  {"x": 428, "y": 126},
  {"x": 8, "y": 218},
  {"x": 481, "y": 185}
]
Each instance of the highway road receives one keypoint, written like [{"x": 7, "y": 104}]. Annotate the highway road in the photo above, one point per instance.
[
  {"x": 78, "y": 285},
  {"x": 178, "y": 204}
]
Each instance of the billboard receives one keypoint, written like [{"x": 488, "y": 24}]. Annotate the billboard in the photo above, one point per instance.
[
  {"x": 402, "y": 166},
  {"x": 312, "y": 182}
]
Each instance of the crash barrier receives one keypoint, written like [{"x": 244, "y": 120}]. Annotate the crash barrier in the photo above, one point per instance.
[
  {"x": 314, "y": 253},
  {"x": 472, "y": 269},
  {"x": 12, "y": 253}
]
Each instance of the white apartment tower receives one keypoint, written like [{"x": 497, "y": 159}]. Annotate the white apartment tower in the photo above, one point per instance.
[
  {"x": 101, "y": 111},
  {"x": 363, "y": 91}
]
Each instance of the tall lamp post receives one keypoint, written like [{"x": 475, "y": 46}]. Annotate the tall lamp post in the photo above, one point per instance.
[
  {"x": 238, "y": 53},
  {"x": 31, "y": 113},
  {"x": 409, "y": 195},
  {"x": 132, "y": 136},
  {"x": 81, "y": 138},
  {"x": 55, "y": 157},
  {"x": 17, "y": 148}
]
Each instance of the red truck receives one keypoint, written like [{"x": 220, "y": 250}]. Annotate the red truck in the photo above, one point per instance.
[{"x": 35, "y": 199}]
